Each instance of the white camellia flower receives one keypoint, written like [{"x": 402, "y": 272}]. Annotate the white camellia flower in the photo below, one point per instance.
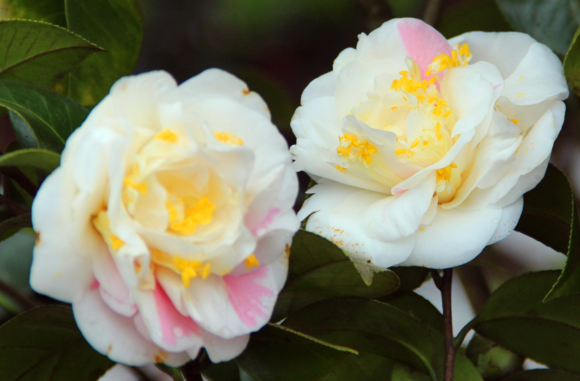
[
  {"x": 167, "y": 224},
  {"x": 422, "y": 147}
]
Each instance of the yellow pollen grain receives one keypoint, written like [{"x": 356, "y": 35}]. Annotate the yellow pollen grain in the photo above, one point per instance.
[
  {"x": 421, "y": 229},
  {"x": 167, "y": 135},
  {"x": 394, "y": 108},
  {"x": 140, "y": 187},
  {"x": 200, "y": 213},
  {"x": 439, "y": 136},
  {"x": 228, "y": 138},
  {"x": 415, "y": 143},
  {"x": 453, "y": 165},
  {"x": 116, "y": 243},
  {"x": 206, "y": 271},
  {"x": 448, "y": 113},
  {"x": 342, "y": 169},
  {"x": 516, "y": 121},
  {"x": 400, "y": 151},
  {"x": 251, "y": 261}
]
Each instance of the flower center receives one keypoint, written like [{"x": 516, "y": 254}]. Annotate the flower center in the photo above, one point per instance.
[{"x": 416, "y": 112}]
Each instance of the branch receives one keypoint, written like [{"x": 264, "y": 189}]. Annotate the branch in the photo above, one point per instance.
[{"x": 448, "y": 321}]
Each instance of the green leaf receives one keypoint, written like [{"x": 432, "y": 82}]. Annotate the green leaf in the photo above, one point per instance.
[
  {"x": 48, "y": 116},
  {"x": 550, "y": 22},
  {"x": 516, "y": 317},
  {"x": 223, "y": 371},
  {"x": 402, "y": 372},
  {"x": 21, "y": 221},
  {"x": 411, "y": 277},
  {"x": 572, "y": 64},
  {"x": 41, "y": 159},
  {"x": 278, "y": 353},
  {"x": 492, "y": 361},
  {"x": 543, "y": 375},
  {"x": 417, "y": 307},
  {"x": 320, "y": 270},
  {"x": 114, "y": 25},
  {"x": 369, "y": 326},
  {"x": 381, "y": 329},
  {"x": 51, "y": 11},
  {"x": 45, "y": 344},
  {"x": 39, "y": 53},
  {"x": 550, "y": 217}
]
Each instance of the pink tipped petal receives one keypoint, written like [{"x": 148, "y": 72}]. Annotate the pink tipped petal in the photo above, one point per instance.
[
  {"x": 112, "y": 288},
  {"x": 116, "y": 336},
  {"x": 167, "y": 327},
  {"x": 252, "y": 302},
  {"x": 422, "y": 41}
]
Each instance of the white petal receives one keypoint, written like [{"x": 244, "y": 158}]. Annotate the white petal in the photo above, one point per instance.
[
  {"x": 539, "y": 76},
  {"x": 399, "y": 216},
  {"x": 505, "y": 50},
  {"x": 454, "y": 238},
  {"x": 220, "y": 349},
  {"x": 116, "y": 336},
  {"x": 219, "y": 84},
  {"x": 322, "y": 86},
  {"x": 58, "y": 270},
  {"x": 339, "y": 217},
  {"x": 509, "y": 219}
]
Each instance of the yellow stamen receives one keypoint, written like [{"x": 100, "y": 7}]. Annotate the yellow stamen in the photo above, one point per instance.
[
  {"x": 186, "y": 223},
  {"x": 228, "y": 138},
  {"x": 251, "y": 261},
  {"x": 447, "y": 114},
  {"x": 400, "y": 151},
  {"x": 342, "y": 169},
  {"x": 206, "y": 271},
  {"x": 116, "y": 243},
  {"x": 516, "y": 121},
  {"x": 394, "y": 108},
  {"x": 167, "y": 135},
  {"x": 140, "y": 187},
  {"x": 415, "y": 143}
]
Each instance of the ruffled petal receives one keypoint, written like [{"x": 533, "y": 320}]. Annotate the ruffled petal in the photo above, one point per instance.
[
  {"x": 116, "y": 336},
  {"x": 339, "y": 216},
  {"x": 58, "y": 269},
  {"x": 453, "y": 238}
]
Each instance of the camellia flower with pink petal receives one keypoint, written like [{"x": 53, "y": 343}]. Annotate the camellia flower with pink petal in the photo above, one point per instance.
[
  {"x": 168, "y": 222},
  {"x": 422, "y": 147}
]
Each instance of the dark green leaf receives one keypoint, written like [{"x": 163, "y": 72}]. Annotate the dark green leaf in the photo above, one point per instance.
[
  {"x": 51, "y": 11},
  {"x": 572, "y": 64},
  {"x": 543, "y": 375},
  {"x": 116, "y": 26},
  {"x": 466, "y": 17},
  {"x": 50, "y": 117},
  {"x": 417, "y": 307},
  {"x": 402, "y": 372},
  {"x": 410, "y": 277},
  {"x": 18, "y": 222},
  {"x": 278, "y": 353},
  {"x": 550, "y": 22},
  {"x": 492, "y": 361},
  {"x": 320, "y": 270},
  {"x": 550, "y": 217},
  {"x": 516, "y": 318},
  {"x": 39, "y": 53},
  {"x": 371, "y": 327},
  {"x": 41, "y": 159},
  {"x": 45, "y": 344},
  {"x": 223, "y": 371}
]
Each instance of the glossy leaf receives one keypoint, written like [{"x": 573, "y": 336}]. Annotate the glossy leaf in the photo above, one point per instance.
[
  {"x": 550, "y": 22},
  {"x": 278, "y": 353},
  {"x": 41, "y": 159},
  {"x": 572, "y": 64},
  {"x": 50, "y": 118},
  {"x": 51, "y": 11},
  {"x": 114, "y": 25},
  {"x": 320, "y": 270},
  {"x": 410, "y": 278},
  {"x": 18, "y": 222},
  {"x": 516, "y": 317},
  {"x": 222, "y": 371},
  {"x": 550, "y": 217},
  {"x": 543, "y": 375},
  {"x": 492, "y": 361},
  {"x": 417, "y": 307},
  {"x": 45, "y": 344},
  {"x": 40, "y": 53},
  {"x": 483, "y": 15}
]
